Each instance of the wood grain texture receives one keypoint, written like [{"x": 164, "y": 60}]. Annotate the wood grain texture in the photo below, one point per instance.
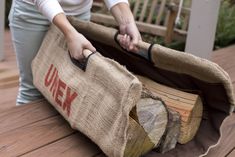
[
  {"x": 75, "y": 145},
  {"x": 9, "y": 75},
  {"x": 18, "y": 117},
  {"x": 9, "y": 61},
  {"x": 9, "y": 84},
  {"x": 33, "y": 136},
  {"x": 147, "y": 124},
  {"x": 171, "y": 136},
  {"x": 181, "y": 101},
  {"x": 9, "y": 78},
  {"x": 225, "y": 58},
  {"x": 188, "y": 105},
  {"x": 8, "y": 98},
  {"x": 152, "y": 116},
  {"x": 138, "y": 142}
]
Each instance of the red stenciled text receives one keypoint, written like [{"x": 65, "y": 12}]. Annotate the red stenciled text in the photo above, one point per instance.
[{"x": 61, "y": 93}]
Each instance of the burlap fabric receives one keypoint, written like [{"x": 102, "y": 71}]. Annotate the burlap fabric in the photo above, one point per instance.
[
  {"x": 96, "y": 101},
  {"x": 178, "y": 70}
]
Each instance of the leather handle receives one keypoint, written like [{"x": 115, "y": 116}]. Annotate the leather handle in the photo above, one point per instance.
[
  {"x": 144, "y": 48},
  {"x": 82, "y": 63}
]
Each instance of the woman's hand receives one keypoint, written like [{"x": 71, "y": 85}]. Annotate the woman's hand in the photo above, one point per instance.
[
  {"x": 77, "y": 43},
  {"x": 127, "y": 26},
  {"x": 75, "y": 40},
  {"x": 130, "y": 37}
]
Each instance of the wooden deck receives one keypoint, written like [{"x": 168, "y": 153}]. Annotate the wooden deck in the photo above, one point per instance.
[
  {"x": 8, "y": 96},
  {"x": 37, "y": 130}
]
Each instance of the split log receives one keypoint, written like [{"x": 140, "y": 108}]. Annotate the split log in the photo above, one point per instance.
[
  {"x": 147, "y": 125},
  {"x": 171, "y": 136},
  {"x": 188, "y": 105}
]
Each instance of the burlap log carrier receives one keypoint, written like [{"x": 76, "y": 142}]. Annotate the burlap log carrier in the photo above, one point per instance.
[
  {"x": 110, "y": 126},
  {"x": 96, "y": 97}
]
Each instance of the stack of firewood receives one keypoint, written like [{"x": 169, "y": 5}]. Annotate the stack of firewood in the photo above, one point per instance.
[
  {"x": 167, "y": 116},
  {"x": 184, "y": 113}
]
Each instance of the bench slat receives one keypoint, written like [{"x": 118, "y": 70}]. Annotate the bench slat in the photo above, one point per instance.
[
  {"x": 143, "y": 27},
  {"x": 136, "y": 8},
  {"x": 186, "y": 21},
  {"x": 160, "y": 13},
  {"x": 143, "y": 11},
  {"x": 152, "y": 11}
]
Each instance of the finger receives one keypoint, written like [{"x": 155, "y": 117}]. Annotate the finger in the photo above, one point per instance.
[
  {"x": 125, "y": 41},
  {"x": 89, "y": 46},
  {"x": 128, "y": 41},
  {"x": 133, "y": 43},
  {"x": 122, "y": 42}
]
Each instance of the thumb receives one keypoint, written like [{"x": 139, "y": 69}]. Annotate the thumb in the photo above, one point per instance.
[
  {"x": 90, "y": 47},
  {"x": 134, "y": 42}
]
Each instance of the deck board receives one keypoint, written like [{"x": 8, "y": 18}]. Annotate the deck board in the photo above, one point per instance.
[
  {"x": 226, "y": 59},
  {"x": 24, "y": 115},
  {"x": 8, "y": 97},
  {"x": 33, "y": 136},
  {"x": 9, "y": 61},
  {"x": 76, "y": 145}
]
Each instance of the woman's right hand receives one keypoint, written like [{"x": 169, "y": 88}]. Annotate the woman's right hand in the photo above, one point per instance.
[{"x": 77, "y": 43}]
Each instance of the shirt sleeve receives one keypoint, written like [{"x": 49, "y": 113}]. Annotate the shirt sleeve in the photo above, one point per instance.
[
  {"x": 111, "y": 3},
  {"x": 49, "y": 8}
]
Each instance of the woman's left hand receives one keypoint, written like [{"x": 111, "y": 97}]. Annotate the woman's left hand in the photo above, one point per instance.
[
  {"x": 127, "y": 26},
  {"x": 130, "y": 37}
]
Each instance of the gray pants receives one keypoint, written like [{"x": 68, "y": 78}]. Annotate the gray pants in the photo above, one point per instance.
[{"x": 28, "y": 28}]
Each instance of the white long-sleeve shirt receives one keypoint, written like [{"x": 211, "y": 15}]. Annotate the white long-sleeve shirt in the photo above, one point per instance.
[{"x": 50, "y": 8}]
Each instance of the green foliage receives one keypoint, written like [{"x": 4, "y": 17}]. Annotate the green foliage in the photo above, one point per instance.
[
  {"x": 225, "y": 33},
  {"x": 7, "y": 10}
]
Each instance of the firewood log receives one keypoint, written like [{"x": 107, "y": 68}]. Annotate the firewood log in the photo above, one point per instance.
[
  {"x": 171, "y": 136},
  {"x": 188, "y": 105},
  {"x": 147, "y": 125}
]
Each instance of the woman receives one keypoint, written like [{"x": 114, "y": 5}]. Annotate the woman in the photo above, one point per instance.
[{"x": 30, "y": 19}]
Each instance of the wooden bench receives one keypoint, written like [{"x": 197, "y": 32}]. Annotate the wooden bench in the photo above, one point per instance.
[
  {"x": 156, "y": 17},
  {"x": 37, "y": 130}
]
